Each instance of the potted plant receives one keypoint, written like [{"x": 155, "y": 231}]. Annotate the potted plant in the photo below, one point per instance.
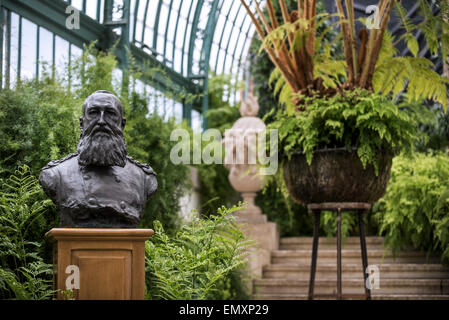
[{"x": 343, "y": 119}]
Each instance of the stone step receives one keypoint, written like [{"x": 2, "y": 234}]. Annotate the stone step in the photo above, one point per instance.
[
  {"x": 298, "y": 243},
  {"x": 350, "y": 256},
  {"x": 354, "y": 271},
  {"x": 353, "y": 287},
  {"x": 262, "y": 296}
]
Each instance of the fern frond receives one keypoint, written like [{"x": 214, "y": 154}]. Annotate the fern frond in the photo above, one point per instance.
[{"x": 396, "y": 74}]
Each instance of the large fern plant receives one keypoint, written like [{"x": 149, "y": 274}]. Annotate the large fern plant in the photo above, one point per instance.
[
  {"x": 306, "y": 67},
  {"x": 23, "y": 273},
  {"x": 356, "y": 101},
  {"x": 199, "y": 262}
]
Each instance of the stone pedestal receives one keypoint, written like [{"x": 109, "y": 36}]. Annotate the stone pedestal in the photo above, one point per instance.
[
  {"x": 266, "y": 238},
  {"x": 111, "y": 262},
  {"x": 252, "y": 214}
]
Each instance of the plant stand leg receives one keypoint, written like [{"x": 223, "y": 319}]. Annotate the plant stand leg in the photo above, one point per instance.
[
  {"x": 314, "y": 252},
  {"x": 364, "y": 252},
  {"x": 339, "y": 291}
]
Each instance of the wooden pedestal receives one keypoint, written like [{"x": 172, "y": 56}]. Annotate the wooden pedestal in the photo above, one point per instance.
[{"x": 111, "y": 262}]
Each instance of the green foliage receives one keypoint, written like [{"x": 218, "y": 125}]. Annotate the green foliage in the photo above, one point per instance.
[
  {"x": 216, "y": 191},
  {"x": 434, "y": 27},
  {"x": 23, "y": 273},
  {"x": 222, "y": 114},
  {"x": 394, "y": 74},
  {"x": 415, "y": 208},
  {"x": 94, "y": 69},
  {"x": 291, "y": 218},
  {"x": 436, "y": 128},
  {"x": 148, "y": 140},
  {"x": 359, "y": 119},
  {"x": 197, "y": 263},
  {"x": 38, "y": 122},
  {"x": 329, "y": 223}
]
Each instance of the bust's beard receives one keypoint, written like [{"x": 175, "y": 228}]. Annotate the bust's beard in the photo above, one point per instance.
[{"x": 102, "y": 149}]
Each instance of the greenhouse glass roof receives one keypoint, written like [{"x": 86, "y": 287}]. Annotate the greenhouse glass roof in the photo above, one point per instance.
[
  {"x": 176, "y": 31},
  {"x": 187, "y": 39},
  {"x": 184, "y": 40}
]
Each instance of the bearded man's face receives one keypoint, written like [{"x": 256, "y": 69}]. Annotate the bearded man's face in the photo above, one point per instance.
[{"x": 102, "y": 142}]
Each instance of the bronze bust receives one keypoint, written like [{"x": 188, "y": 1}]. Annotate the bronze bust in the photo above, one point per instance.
[{"x": 99, "y": 186}]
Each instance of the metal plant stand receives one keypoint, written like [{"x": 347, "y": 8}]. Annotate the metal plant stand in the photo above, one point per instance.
[{"x": 316, "y": 209}]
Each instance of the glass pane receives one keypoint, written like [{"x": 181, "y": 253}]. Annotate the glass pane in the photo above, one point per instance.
[
  {"x": 213, "y": 56},
  {"x": 61, "y": 55},
  {"x": 196, "y": 121},
  {"x": 140, "y": 87},
  {"x": 180, "y": 32},
  {"x": 29, "y": 47},
  {"x": 178, "y": 112},
  {"x": 172, "y": 25},
  {"x": 151, "y": 14},
  {"x": 75, "y": 54},
  {"x": 233, "y": 40},
  {"x": 91, "y": 8},
  {"x": 219, "y": 29},
  {"x": 169, "y": 52},
  {"x": 78, "y": 4},
  {"x": 45, "y": 48},
  {"x": 240, "y": 16},
  {"x": 178, "y": 61},
  {"x": 148, "y": 37},
  {"x": 131, "y": 19},
  {"x": 14, "y": 47},
  {"x": 141, "y": 10},
  {"x": 4, "y": 53},
  {"x": 185, "y": 9},
  {"x": 101, "y": 10},
  {"x": 177, "y": 5},
  {"x": 117, "y": 75},
  {"x": 117, "y": 14}
]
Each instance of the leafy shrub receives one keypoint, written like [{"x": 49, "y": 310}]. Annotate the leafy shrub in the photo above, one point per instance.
[
  {"x": 437, "y": 131},
  {"x": 199, "y": 262},
  {"x": 415, "y": 208},
  {"x": 148, "y": 140},
  {"x": 216, "y": 190},
  {"x": 38, "y": 122},
  {"x": 23, "y": 273}
]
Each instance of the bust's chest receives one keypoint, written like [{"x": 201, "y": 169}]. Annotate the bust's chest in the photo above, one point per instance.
[{"x": 117, "y": 187}]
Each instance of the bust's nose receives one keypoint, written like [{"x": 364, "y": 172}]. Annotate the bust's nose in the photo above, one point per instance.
[{"x": 101, "y": 120}]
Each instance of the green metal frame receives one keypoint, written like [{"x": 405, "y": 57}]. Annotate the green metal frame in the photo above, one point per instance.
[{"x": 201, "y": 22}]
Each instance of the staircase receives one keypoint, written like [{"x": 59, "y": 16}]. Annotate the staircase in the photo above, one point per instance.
[{"x": 408, "y": 275}]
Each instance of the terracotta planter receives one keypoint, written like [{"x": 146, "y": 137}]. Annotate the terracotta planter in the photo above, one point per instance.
[{"x": 336, "y": 175}]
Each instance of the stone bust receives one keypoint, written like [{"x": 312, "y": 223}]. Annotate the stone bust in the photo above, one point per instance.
[{"x": 99, "y": 186}]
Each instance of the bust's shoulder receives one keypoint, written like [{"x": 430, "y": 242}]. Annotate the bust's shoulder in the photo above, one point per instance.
[
  {"x": 144, "y": 167},
  {"x": 56, "y": 163}
]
